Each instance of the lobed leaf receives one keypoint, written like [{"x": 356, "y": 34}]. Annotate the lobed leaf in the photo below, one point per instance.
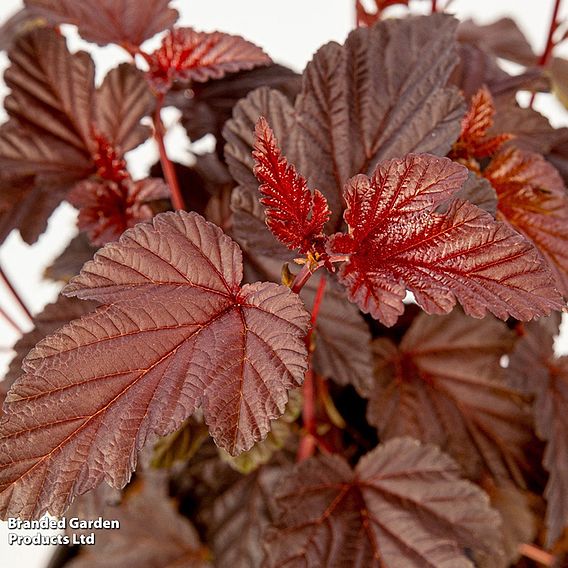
[
  {"x": 249, "y": 216},
  {"x": 444, "y": 385},
  {"x": 58, "y": 123},
  {"x": 123, "y": 22},
  {"x": 120, "y": 102},
  {"x": 396, "y": 241},
  {"x": 391, "y": 511},
  {"x": 188, "y": 55},
  {"x": 533, "y": 200},
  {"x": 294, "y": 215},
  {"x": 183, "y": 335},
  {"x": 381, "y": 95}
]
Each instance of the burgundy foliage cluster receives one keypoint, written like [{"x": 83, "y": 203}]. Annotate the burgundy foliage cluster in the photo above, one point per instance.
[{"x": 329, "y": 341}]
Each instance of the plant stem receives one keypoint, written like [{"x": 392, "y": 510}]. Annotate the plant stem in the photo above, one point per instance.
[
  {"x": 307, "y": 445},
  {"x": 307, "y": 270},
  {"x": 549, "y": 40},
  {"x": 537, "y": 554},
  {"x": 11, "y": 322},
  {"x": 545, "y": 57},
  {"x": 167, "y": 166},
  {"x": 15, "y": 294},
  {"x": 308, "y": 441},
  {"x": 434, "y": 7}
]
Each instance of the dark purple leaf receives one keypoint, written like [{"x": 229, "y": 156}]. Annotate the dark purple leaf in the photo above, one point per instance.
[{"x": 404, "y": 505}]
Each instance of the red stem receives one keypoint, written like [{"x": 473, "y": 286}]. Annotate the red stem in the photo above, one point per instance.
[
  {"x": 545, "y": 57},
  {"x": 434, "y": 7},
  {"x": 167, "y": 166},
  {"x": 15, "y": 294},
  {"x": 536, "y": 554},
  {"x": 309, "y": 440},
  {"x": 11, "y": 322},
  {"x": 307, "y": 270}
]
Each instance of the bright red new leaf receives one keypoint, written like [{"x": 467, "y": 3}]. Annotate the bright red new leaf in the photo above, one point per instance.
[
  {"x": 187, "y": 55},
  {"x": 182, "y": 333},
  {"x": 295, "y": 216},
  {"x": 404, "y": 505},
  {"x": 473, "y": 143},
  {"x": 398, "y": 241},
  {"x": 107, "y": 208}
]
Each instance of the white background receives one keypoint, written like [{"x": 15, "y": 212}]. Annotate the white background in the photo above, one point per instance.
[{"x": 289, "y": 32}]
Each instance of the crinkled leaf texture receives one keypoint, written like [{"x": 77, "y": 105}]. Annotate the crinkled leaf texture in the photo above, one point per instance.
[
  {"x": 124, "y": 22},
  {"x": 107, "y": 208},
  {"x": 295, "y": 216},
  {"x": 188, "y": 55},
  {"x": 176, "y": 332},
  {"x": 404, "y": 506},
  {"x": 58, "y": 122},
  {"x": 382, "y": 95},
  {"x": 533, "y": 199},
  {"x": 537, "y": 372},
  {"x": 444, "y": 385},
  {"x": 49, "y": 320},
  {"x": 396, "y": 241}
]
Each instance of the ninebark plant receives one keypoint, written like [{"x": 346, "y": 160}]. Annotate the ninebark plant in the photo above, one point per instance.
[{"x": 238, "y": 332}]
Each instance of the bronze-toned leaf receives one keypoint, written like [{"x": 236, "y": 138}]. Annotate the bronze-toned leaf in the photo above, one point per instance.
[
  {"x": 404, "y": 505},
  {"x": 124, "y": 22},
  {"x": 183, "y": 334},
  {"x": 443, "y": 384}
]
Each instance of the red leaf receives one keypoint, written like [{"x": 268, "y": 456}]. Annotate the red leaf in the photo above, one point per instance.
[
  {"x": 120, "y": 102},
  {"x": 534, "y": 368},
  {"x": 533, "y": 200},
  {"x": 396, "y": 241},
  {"x": 473, "y": 143},
  {"x": 444, "y": 385},
  {"x": 390, "y": 512},
  {"x": 502, "y": 38},
  {"x": 49, "y": 320},
  {"x": 107, "y": 208},
  {"x": 183, "y": 334},
  {"x": 382, "y": 95},
  {"x": 249, "y": 217},
  {"x": 59, "y": 123},
  {"x": 294, "y": 215},
  {"x": 187, "y": 55},
  {"x": 124, "y": 22}
]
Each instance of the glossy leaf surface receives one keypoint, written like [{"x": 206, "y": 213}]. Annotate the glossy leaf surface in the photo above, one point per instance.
[
  {"x": 396, "y": 242},
  {"x": 183, "y": 334},
  {"x": 188, "y": 55}
]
